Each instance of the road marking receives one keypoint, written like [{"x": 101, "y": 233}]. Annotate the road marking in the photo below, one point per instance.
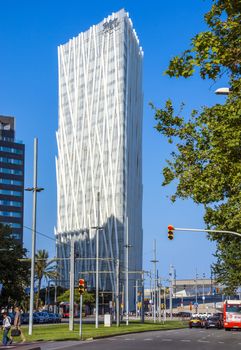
[
  {"x": 129, "y": 339},
  {"x": 185, "y": 340},
  {"x": 221, "y": 342},
  {"x": 147, "y": 339},
  {"x": 203, "y": 341},
  {"x": 166, "y": 339}
]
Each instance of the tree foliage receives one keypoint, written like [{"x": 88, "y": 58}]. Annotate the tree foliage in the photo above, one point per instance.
[
  {"x": 88, "y": 298},
  {"x": 206, "y": 162},
  {"x": 44, "y": 268},
  {"x": 14, "y": 271}
]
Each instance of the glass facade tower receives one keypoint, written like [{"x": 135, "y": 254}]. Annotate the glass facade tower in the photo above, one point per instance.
[
  {"x": 99, "y": 140},
  {"x": 11, "y": 178}
]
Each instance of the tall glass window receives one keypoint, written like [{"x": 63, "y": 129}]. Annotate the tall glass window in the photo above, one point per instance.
[
  {"x": 14, "y": 214},
  {"x": 10, "y": 182},
  {"x": 12, "y": 224},
  {"x": 11, "y": 171},
  {"x": 11, "y": 193},
  {"x": 11, "y": 150},
  {"x": 10, "y": 203}
]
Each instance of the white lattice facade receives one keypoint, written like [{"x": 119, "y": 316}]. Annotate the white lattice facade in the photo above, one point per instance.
[{"x": 99, "y": 141}]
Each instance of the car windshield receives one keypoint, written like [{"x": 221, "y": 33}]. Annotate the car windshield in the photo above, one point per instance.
[{"x": 234, "y": 308}]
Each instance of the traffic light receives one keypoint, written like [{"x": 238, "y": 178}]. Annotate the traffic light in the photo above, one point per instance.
[
  {"x": 170, "y": 232},
  {"x": 81, "y": 286}
]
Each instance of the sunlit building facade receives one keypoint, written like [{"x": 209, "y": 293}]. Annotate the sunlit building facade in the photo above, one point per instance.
[{"x": 99, "y": 140}]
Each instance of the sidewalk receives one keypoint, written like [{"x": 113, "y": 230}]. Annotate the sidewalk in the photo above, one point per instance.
[
  {"x": 50, "y": 345},
  {"x": 23, "y": 346}
]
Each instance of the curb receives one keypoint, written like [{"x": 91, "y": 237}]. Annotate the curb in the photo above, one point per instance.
[{"x": 126, "y": 333}]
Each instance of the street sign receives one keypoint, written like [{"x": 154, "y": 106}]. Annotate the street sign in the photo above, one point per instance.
[
  {"x": 203, "y": 298},
  {"x": 196, "y": 304}
]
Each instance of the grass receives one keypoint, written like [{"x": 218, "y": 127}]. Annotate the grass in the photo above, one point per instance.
[{"x": 61, "y": 331}]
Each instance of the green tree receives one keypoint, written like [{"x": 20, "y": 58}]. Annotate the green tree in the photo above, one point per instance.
[
  {"x": 44, "y": 268},
  {"x": 206, "y": 161},
  {"x": 14, "y": 270},
  {"x": 88, "y": 298}
]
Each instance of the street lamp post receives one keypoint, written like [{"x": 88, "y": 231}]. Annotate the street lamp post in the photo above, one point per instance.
[
  {"x": 127, "y": 246},
  {"x": 154, "y": 261},
  {"x": 170, "y": 289},
  {"x": 97, "y": 263},
  {"x": 196, "y": 290},
  {"x": 203, "y": 288},
  {"x": 117, "y": 292},
  {"x": 71, "y": 284},
  {"x": 33, "y": 189}
]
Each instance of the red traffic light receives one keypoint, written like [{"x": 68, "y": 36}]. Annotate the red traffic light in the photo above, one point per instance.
[
  {"x": 81, "y": 285},
  {"x": 170, "y": 234}
]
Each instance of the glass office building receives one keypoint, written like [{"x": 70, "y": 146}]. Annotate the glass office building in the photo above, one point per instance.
[
  {"x": 99, "y": 140},
  {"x": 11, "y": 178}
]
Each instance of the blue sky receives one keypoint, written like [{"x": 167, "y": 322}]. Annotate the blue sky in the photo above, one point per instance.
[{"x": 30, "y": 32}]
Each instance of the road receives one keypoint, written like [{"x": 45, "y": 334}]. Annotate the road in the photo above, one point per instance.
[{"x": 183, "y": 339}]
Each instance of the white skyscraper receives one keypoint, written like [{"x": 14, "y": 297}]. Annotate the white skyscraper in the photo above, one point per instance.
[{"x": 99, "y": 141}]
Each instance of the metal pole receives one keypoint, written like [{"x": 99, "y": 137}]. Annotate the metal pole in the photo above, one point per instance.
[
  {"x": 136, "y": 298},
  {"x": 71, "y": 291},
  {"x": 80, "y": 315},
  {"x": 202, "y": 230},
  {"x": 154, "y": 296},
  {"x": 159, "y": 300},
  {"x": 55, "y": 297},
  {"x": 31, "y": 306},
  {"x": 211, "y": 282},
  {"x": 203, "y": 289},
  {"x": 97, "y": 265},
  {"x": 142, "y": 298},
  {"x": 196, "y": 285},
  {"x": 165, "y": 303},
  {"x": 170, "y": 290},
  {"x": 117, "y": 292},
  {"x": 127, "y": 273}
]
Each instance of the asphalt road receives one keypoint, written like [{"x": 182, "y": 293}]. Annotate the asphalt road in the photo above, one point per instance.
[{"x": 183, "y": 339}]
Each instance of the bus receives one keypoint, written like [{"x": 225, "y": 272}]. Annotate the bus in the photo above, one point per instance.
[
  {"x": 232, "y": 314},
  {"x": 64, "y": 309}
]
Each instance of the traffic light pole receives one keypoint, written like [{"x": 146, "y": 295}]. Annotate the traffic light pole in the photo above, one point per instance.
[
  {"x": 97, "y": 267},
  {"x": 117, "y": 292},
  {"x": 71, "y": 291},
  {"x": 127, "y": 274},
  {"x": 142, "y": 298},
  {"x": 80, "y": 315},
  {"x": 171, "y": 290},
  {"x": 154, "y": 261},
  {"x": 202, "y": 230}
]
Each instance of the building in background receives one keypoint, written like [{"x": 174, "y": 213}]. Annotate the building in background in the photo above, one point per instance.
[
  {"x": 11, "y": 178},
  {"x": 99, "y": 142}
]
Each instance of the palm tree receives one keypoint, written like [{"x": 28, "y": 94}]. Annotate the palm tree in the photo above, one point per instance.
[{"x": 44, "y": 268}]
